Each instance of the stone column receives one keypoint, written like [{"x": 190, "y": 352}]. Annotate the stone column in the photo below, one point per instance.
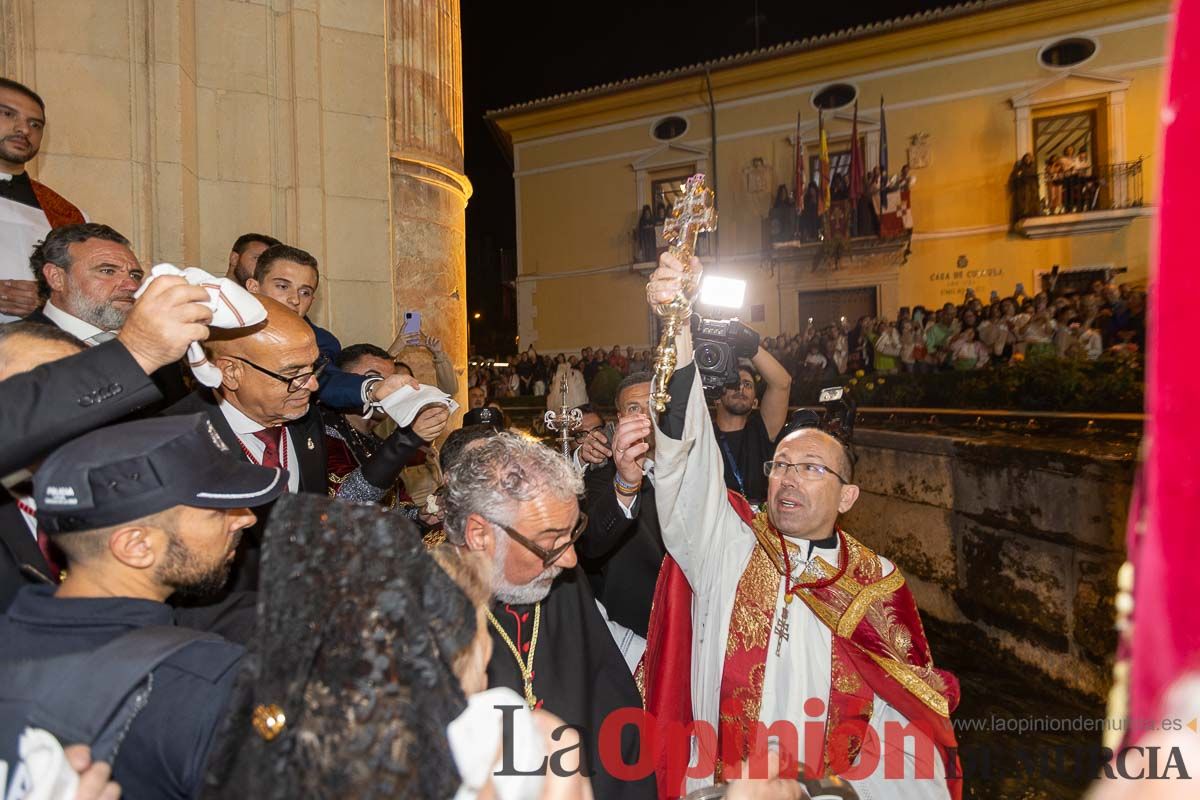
[{"x": 428, "y": 188}]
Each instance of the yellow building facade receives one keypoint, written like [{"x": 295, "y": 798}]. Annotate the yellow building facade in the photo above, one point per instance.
[{"x": 967, "y": 92}]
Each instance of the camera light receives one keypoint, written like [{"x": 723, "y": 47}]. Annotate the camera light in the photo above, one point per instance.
[{"x": 723, "y": 292}]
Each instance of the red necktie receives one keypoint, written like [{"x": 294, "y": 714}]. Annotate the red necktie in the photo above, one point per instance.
[
  {"x": 270, "y": 437},
  {"x": 53, "y": 556}
]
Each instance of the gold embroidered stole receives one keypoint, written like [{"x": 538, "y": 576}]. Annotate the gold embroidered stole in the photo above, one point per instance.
[{"x": 841, "y": 597}]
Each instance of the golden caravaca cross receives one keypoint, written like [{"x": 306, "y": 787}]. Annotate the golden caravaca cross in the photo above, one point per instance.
[{"x": 692, "y": 214}]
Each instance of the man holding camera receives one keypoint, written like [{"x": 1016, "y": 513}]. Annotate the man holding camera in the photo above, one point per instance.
[
  {"x": 746, "y": 427},
  {"x": 841, "y": 681}
]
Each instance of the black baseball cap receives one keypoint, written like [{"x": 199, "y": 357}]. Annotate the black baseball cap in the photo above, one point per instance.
[
  {"x": 129, "y": 471},
  {"x": 485, "y": 415}
]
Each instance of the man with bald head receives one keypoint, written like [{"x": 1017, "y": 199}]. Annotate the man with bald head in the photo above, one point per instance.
[
  {"x": 265, "y": 410},
  {"x": 843, "y": 680}
]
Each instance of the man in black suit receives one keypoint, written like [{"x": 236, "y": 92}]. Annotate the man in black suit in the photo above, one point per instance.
[
  {"x": 622, "y": 548},
  {"x": 88, "y": 275},
  {"x": 53, "y": 389},
  {"x": 25, "y": 553},
  {"x": 264, "y": 411}
]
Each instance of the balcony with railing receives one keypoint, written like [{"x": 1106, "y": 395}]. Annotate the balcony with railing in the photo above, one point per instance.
[{"x": 1085, "y": 199}]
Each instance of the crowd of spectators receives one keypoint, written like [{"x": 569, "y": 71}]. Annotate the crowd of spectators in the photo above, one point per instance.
[
  {"x": 530, "y": 374},
  {"x": 970, "y": 335}
]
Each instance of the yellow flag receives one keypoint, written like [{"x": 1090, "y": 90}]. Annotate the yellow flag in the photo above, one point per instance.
[{"x": 825, "y": 198}]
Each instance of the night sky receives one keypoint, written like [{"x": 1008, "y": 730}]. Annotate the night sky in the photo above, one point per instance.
[{"x": 519, "y": 51}]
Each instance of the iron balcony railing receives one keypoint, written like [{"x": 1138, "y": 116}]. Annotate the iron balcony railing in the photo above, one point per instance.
[{"x": 1068, "y": 188}]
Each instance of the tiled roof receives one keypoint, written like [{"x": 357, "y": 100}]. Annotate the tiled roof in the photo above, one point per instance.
[{"x": 761, "y": 54}]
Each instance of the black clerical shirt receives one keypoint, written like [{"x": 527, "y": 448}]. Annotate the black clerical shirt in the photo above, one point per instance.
[
  {"x": 19, "y": 189},
  {"x": 579, "y": 674}
]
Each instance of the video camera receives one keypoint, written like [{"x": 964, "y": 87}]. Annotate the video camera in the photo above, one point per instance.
[{"x": 717, "y": 344}]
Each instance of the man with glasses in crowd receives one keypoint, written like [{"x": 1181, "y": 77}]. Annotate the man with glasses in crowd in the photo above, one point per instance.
[
  {"x": 848, "y": 666},
  {"x": 518, "y": 501},
  {"x": 264, "y": 411}
]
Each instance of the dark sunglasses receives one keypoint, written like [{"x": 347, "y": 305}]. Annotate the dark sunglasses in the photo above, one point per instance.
[
  {"x": 548, "y": 557},
  {"x": 296, "y": 382}
]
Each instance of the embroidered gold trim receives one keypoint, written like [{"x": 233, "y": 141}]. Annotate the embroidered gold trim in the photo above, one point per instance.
[
  {"x": 917, "y": 687},
  {"x": 750, "y": 623},
  {"x": 867, "y": 595},
  {"x": 751, "y": 694}
]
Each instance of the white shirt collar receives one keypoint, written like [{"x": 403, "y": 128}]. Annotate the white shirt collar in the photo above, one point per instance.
[
  {"x": 241, "y": 424},
  {"x": 70, "y": 323},
  {"x": 5, "y": 176}
]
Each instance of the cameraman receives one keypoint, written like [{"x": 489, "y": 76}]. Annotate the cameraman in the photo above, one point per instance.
[{"x": 746, "y": 427}]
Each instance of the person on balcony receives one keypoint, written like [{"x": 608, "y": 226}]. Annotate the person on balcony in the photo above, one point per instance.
[
  {"x": 1054, "y": 185},
  {"x": 1024, "y": 184},
  {"x": 1068, "y": 164},
  {"x": 646, "y": 246}
]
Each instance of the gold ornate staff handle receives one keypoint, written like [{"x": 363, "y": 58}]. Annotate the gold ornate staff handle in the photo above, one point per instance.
[{"x": 692, "y": 214}]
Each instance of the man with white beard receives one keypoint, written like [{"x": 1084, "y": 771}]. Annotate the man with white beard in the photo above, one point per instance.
[{"x": 518, "y": 501}]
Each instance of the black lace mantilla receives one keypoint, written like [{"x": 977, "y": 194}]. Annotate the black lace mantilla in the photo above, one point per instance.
[{"x": 357, "y": 628}]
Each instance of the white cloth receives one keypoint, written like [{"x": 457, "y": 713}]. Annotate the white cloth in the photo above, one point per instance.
[
  {"x": 44, "y": 765},
  {"x": 405, "y": 403},
  {"x": 232, "y": 307},
  {"x": 712, "y": 546},
  {"x": 72, "y": 324},
  {"x": 476, "y": 740},
  {"x": 21, "y": 227},
  {"x": 245, "y": 428}
]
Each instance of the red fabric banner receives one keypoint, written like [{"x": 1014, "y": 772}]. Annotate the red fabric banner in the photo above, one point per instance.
[{"x": 1166, "y": 639}]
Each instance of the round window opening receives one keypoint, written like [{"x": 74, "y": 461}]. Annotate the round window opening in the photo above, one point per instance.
[
  {"x": 1067, "y": 52},
  {"x": 670, "y": 128},
  {"x": 834, "y": 96}
]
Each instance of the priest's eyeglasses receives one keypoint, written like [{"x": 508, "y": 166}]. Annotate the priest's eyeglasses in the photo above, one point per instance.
[
  {"x": 294, "y": 382},
  {"x": 808, "y": 470},
  {"x": 548, "y": 557}
]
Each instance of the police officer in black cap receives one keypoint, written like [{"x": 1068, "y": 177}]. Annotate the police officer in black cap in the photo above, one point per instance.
[
  {"x": 487, "y": 415},
  {"x": 143, "y": 511}
]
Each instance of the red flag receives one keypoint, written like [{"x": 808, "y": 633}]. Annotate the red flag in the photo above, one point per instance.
[
  {"x": 856, "y": 176},
  {"x": 799, "y": 194},
  {"x": 883, "y": 157}
]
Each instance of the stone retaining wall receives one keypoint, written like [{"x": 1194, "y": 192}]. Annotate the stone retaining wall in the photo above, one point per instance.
[{"x": 1015, "y": 542}]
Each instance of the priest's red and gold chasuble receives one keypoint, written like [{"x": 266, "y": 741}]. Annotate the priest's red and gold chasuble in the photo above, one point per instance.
[
  {"x": 878, "y": 649},
  {"x": 58, "y": 210}
]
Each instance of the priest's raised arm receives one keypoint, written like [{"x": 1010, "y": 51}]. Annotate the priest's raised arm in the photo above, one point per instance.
[{"x": 696, "y": 519}]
